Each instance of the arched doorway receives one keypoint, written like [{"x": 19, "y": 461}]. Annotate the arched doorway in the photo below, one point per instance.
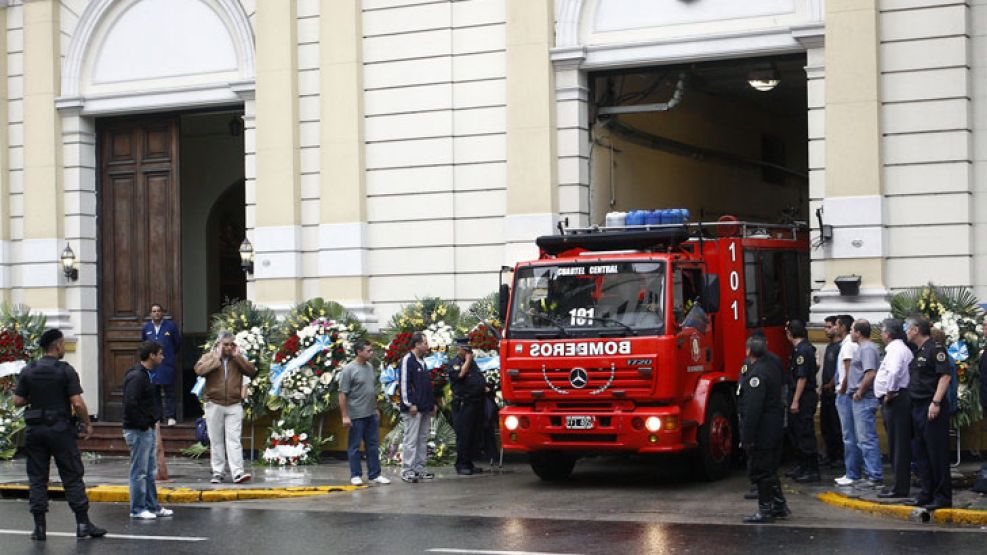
[{"x": 226, "y": 228}]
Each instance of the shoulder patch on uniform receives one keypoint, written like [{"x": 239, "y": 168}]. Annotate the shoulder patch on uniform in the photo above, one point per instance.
[
  {"x": 941, "y": 356},
  {"x": 743, "y": 369},
  {"x": 755, "y": 381},
  {"x": 456, "y": 367},
  {"x": 800, "y": 360}
]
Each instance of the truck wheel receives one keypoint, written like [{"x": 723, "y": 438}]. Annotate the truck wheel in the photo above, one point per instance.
[
  {"x": 716, "y": 439},
  {"x": 552, "y": 467}
]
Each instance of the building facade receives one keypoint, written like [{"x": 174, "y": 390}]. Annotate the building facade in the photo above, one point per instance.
[{"x": 377, "y": 151}]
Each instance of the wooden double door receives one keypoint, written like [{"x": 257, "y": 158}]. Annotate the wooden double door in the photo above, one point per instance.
[{"x": 139, "y": 241}]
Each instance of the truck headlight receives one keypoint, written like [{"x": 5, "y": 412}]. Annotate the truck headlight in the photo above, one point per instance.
[
  {"x": 653, "y": 424},
  {"x": 511, "y": 422}
]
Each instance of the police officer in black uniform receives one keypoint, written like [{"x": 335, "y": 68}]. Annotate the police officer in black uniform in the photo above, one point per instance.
[
  {"x": 468, "y": 387},
  {"x": 50, "y": 390},
  {"x": 761, "y": 431},
  {"x": 829, "y": 419},
  {"x": 928, "y": 384},
  {"x": 803, "y": 400}
]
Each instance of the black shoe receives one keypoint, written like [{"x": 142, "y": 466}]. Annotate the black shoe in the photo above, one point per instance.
[
  {"x": 464, "y": 472},
  {"x": 891, "y": 494},
  {"x": 751, "y": 493},
  {"x": 759, "y": 518},
  {"x": 39, "y": 533},
  {"x": 808, "y": 478},
  {"x": 935, "y": 505},
  {"x": 919, "y": 502},
  {"x": 779, "y": 504},
  {"x": 89, "y": 530},
  {"x": 477, "y": 470}
]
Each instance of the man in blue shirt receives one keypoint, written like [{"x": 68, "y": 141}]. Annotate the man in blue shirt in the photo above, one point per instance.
[
  {"x": 165, "y": 333},
  {"x": 860, "y": 380}
]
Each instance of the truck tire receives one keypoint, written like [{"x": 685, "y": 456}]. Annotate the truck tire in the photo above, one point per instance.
[
  {"x": 552, "y": 466},
  {"x": 717, "y": 438}
]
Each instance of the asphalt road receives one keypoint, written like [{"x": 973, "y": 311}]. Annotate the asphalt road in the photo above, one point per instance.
[
  {"x": 611, "y": 505},
  {"x": 227, "y": 529}
]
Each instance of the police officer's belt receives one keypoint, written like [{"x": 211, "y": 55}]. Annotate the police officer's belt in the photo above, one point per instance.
[{"x": 44, "y": 416}]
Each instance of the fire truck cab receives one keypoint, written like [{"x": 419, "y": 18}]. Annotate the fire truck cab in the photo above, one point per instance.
[{"x": 632, "y": 339}]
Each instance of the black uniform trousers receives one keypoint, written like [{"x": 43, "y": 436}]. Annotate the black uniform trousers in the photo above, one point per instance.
[
  {"x": 762, "y": 469},
  {"x": 829, "y": 426},
  {"x": 932, "y": 452},
  {"x": 803, "y": 428},
  {"x": 897, "y": 416},
  {"x": 41, "y": 443},
  {"x": 467, "y": 420}
]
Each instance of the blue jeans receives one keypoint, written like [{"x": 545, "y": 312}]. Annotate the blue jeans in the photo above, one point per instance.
[
  {"x": 865, "y": 424},
  {"x": 367, "y": 430},
  {"x": 852, "y": 457},
  {"x": 143, "y": 467}
]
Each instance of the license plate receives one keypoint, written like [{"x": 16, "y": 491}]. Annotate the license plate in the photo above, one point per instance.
[{"x": 579, "y": 422}]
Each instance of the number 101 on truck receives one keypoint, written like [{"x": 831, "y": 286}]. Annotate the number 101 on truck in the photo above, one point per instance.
[{"x": 632, "y": 339}]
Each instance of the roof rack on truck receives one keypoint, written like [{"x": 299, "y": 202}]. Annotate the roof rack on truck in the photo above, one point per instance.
[{"x": 662, "y": 236}]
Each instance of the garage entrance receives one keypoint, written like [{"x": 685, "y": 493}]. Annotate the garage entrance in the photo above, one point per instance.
[{"x": 720, "y": 137}]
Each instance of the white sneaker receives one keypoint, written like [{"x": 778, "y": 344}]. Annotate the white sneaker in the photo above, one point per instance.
[
  {"x": 171, "y": 422},
  {"x": 241, "y": 478},
  {"x": 144, "y": 515},
  {"x": 216, "y": 479},
  {"x": 380, "y": 480},
  {"x": 844, "y": 481},
  {"x": 164, "y": 512},
  {"x": 356, "y": 481}
]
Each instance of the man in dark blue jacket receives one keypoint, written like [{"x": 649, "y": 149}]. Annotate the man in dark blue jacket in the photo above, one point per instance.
[
  {"x": 417, "y": 409},
  {"x": 165, "y": 333},
  {"x": 980, "y": 486},
  {"x": 141, "y": 412}
]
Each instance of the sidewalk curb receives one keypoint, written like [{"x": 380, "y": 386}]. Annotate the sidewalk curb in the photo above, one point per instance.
[
  {"x": 121, "y": 494},
  {"x": 966, "y": 517}
]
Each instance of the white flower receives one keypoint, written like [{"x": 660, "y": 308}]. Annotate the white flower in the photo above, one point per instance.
[
  {"x": 325, "y": 378},
  {"x": 302, "y": 436}
]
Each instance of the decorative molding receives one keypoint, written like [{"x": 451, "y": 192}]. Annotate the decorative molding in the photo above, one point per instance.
[
  {"x": 809, "y": 36},
  {"x": 872, "y": 304},
  {"x": 568, "y": 16},
  {"x": 96, "y": 15},
  {"x": 4, "y": 261}
]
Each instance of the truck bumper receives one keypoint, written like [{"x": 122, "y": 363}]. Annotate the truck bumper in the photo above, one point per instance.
[{"x": 525, "y": 429}]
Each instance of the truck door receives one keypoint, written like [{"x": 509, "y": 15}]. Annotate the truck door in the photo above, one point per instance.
[{"x": 693, "y": 332}]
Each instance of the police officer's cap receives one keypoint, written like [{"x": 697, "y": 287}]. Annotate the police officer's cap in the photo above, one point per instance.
[
  {"x": 463, "y": 343},
  {"x": 49, "y": 337}
]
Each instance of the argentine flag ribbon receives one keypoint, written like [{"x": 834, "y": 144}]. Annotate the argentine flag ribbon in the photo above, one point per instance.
[
  {"x": 958, "y": 351},
  {"x": 487, "y": 364},
  {"x": 279, "y": 371}
]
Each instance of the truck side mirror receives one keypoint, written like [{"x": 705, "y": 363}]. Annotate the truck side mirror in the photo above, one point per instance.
[
  {"x": 505, "y": 294},
  {"x": 711, "y": 294}
]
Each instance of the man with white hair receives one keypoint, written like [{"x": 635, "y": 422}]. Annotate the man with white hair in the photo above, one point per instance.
[{"x": 224, "y": 368}]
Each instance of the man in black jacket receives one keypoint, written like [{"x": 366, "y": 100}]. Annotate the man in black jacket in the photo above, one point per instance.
[
  {"x": 141, "y": 412},
  {"x": 763, "y": 422}
]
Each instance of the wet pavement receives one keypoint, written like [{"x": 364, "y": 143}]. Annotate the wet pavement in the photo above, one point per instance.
[
  {"x": 201, "y": 530},
  {"x": 611, "y": 505}
]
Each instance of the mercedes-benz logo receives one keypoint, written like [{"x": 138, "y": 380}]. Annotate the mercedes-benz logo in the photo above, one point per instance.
[{"x": 578, "y": 378}]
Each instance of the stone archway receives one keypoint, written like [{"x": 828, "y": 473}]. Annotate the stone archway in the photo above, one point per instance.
[{"x": 89, "y": 92}]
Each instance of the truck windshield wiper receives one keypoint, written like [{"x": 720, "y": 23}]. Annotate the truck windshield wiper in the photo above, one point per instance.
[
  {"x": 629, "y": 329},
  {"x": 551, "y": 320}
]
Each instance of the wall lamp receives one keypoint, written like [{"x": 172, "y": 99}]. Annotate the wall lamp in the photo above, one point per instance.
[
  {"x": 69, "y": 267},
  {"x": 247, "y": 256},
  {"x": 849, "y": 286}
]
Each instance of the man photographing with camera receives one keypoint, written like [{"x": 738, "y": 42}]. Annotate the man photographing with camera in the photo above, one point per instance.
[{"x": 50, "y": 388}]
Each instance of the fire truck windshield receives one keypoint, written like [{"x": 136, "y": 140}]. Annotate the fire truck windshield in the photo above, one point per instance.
[{"x": 585, "y": 299}]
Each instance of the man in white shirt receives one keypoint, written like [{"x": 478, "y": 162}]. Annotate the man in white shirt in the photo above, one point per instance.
[
  {"x": 852, "y": 457},
  {"x": 891, "y": 389}
]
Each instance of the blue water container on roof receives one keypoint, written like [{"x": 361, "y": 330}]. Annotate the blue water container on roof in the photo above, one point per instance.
[{"x": 654, "y": 217}]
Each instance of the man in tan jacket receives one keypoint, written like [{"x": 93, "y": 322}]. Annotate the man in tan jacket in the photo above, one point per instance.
[{"x": 224, "y": 368}]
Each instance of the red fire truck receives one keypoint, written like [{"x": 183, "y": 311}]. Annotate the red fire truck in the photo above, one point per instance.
[{"x": 631, "y": 340}]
